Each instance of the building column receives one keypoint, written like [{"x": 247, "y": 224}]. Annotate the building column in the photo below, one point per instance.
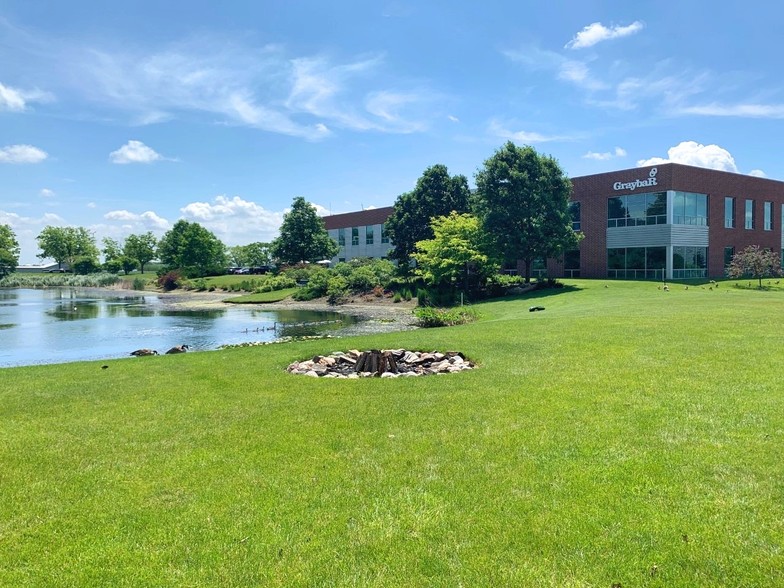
[{"x": 668, "y": 262}]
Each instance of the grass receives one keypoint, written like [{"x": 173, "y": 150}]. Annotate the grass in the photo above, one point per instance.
[
  {"x": 624, "y": 435},
  {"x": 263, "y": 297}
]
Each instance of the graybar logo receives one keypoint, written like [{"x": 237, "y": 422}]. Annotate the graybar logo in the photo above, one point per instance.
[{"x": 650, "y": 181}]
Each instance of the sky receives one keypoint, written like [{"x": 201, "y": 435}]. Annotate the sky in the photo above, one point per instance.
[{"x": 125, "y": 117}]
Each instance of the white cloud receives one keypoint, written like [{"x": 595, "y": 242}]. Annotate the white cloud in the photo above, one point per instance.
[
  {"x": 596, "y": 33},
  {"x": 91, "y": 205},
  {"x": 578, "y": 73},
  {"x": 47, "y": 193},
  {"x": 147, "y": 220},
  {"x": 22, "y": 154},
  {"x": 453, "y": 118},
  {"x": 693, "y": 153},
  {"x": 525, "y": 137},
  {"x": 27, "y": 229},
  {"x": 758, "y": 173},
  {"x": 775, "y": 111},
  {"x": 619, "y": 152},
  {"x": 135, "y": 152},
  {"x": 15, "y": 100},
  {"x": 234, "y": 220}
]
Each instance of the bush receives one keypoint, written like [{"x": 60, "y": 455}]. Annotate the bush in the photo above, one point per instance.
[
  {"x": 362, "y": 279},
  {"x": 86, "y": 265},
  {"x": 138, "y": 284},
  {"x": 170, "y": 281},
  {"x": 498, "y": 284},
  {"x": 429, "y": 316},
  {"x": 397, "y": 297},
  {"x": 337, "y": 290},
  {"x": 113, "y": 266},
  {"x": 199, "y": 284}
]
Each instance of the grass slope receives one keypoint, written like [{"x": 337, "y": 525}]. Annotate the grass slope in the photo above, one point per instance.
[
  {"x": 263, "y": 297},
  {"x": 624, "y": 435}
]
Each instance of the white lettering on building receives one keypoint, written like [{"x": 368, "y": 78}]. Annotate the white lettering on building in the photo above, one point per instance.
[{"x": 650, "y": 181}]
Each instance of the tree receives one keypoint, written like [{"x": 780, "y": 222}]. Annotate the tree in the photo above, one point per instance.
[
  {"x": 111, "y": 249},
  {"x": 254, "y": 254},
  {"x": 755, "y": 262},
  {"x": 140, "y": 248},
  {"x": 192, "y": 248},
  {"x": 303, "y": 236},
  {"x": 454, "y": 254},
  {"x": 522, "y": 200},
  {"x": 67, "y": 244},
  {"x": 436, "y": 194},
  {"x": 9, "y": 250}
]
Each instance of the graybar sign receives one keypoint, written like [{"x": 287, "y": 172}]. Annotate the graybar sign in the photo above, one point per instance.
[{"x": 650, "y": 181}]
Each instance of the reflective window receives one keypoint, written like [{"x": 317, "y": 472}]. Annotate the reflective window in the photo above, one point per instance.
[
  {"x": 368, "y": 235},
  {"x": 574, "y": 212},
  {"x": 384, "y": 235},
  {"x": 689, "y": 262},
  {"x": 342, "y": 237},
  {"x": 637, "y": 262},
  {"x": 729, "y": 212},
  {"x": 637, "y": 210},
  {"x": 572, "y": 263},
  {"x": 355, "y": 235},
  {"x": 749, "y": 215},
  {"x": 768, "y": 216},
  {"x": 690, "y": 209},
  {"x": 729, "y": 252}
]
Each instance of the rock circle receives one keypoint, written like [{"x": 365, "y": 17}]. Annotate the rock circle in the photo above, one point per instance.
[{"x": 381, "y": 363}]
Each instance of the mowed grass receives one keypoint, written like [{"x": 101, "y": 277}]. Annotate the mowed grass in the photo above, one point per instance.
[
  {"x": 263, "y": 297},
  {"x": 625, "y": 435}
]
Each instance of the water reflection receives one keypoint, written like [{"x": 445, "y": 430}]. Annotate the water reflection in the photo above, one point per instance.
[{"x": 58, "y": 325}]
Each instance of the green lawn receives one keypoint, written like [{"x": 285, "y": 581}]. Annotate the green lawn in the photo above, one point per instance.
[
  {"x": 625, "y": 435},
  {"x": 263, "y": 297}
]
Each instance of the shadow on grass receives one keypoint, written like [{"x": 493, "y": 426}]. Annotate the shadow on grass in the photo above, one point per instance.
[{"x": 538, "y": 294}]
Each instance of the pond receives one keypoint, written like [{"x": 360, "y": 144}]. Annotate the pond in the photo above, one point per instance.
[{"x": 61, "y": 324}]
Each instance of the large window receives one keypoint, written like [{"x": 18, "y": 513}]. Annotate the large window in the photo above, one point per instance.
[
  {"x": 574, "y": 212},
  {"x": 355, "y": 235},
  {"x": 384, "y": 234},
  {"x": 689, "y": 262},
  {"x": 637, "y": 262},
  {"x": 729, "y": 212},
  {"x": 342, "y": 237},
  {"x": 572, "y": 263},
  {"x": 768, "y": 216},
  {"x": 689, "y": 208},
  {"x": 637, "y": 210},
  {"x": 729, "y": 253},
  {"x": 368, "y": 235},
  {"x": 749, "y": 215}
]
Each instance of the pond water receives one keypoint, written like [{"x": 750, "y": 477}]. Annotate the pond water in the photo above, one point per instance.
[{"x": 61, "y": 324}]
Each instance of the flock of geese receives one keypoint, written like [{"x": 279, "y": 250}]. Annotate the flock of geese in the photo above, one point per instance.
[{"x": 175, "y": 349}]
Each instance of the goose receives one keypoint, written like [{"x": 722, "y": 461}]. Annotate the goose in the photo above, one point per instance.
[
  {"x": 178, "y": 349},
  {"x": 141, "y": 352}
]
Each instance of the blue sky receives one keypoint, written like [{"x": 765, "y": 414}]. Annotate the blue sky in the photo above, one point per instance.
[{"x": 125, "y": 117}]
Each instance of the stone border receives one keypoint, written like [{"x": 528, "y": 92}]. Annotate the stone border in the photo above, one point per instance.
[{"x": 386, "y": 363}]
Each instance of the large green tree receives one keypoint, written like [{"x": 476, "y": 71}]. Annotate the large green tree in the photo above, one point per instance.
[
  {"x": 436, "y": 194},
  {"x": 193, "y": 249},
  {"x": 9, "y": 250},
  {"x": 141, "y": 248},
  {"x": 68, "y": 245},
  {"x": 303, "y": 236},
  {"x": 454, "y": 257},
  {"x": 522, "y": 200},
  {"x": 252, "y": 254}
]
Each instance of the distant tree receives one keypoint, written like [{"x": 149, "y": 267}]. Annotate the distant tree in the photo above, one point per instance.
[
  {"x": 140, "y": 248},
  {"x": 111, "y": 249},
  {"x": 454, "y": 256},
  {"x": 522, "y": 200},
  {"x": 9, "y": 250},
  {"x": 303, "y": 236},
  {"x": 193, "y": 249},
  {"x": 436, "y": 194},
  {"x": 67, "y": 244},
  {"x": 755, "y": 262},
  {"x": 253, "y": 254}
]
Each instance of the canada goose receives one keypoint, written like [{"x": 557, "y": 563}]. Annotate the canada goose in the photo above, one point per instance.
[
  {"x": 141, "y": 352},
  {"x": 178, "y": 349}
]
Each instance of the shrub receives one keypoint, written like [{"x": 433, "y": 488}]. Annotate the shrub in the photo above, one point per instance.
[
  {"x": 86, "y": 265},
  {"x": 113, "y": 266},
  {"x": 429, "y": 316},
  {"x": 397, "y": 297},
  {"x": 337, "y": 290},
  {"x": 138, "y": 284},
  {"x": 170, "y": 281},
  {"x": 199, "y": 284}
]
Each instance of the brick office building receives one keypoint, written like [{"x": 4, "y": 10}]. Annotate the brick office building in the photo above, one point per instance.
[{"x": 669, "y": 221}]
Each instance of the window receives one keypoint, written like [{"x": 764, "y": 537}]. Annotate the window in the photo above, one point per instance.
[
  {"x": 729, "y": 252},
  {"x": 637, "y": 210},
  {"x": 729, "y": 212},
  {"x": 342, "y": 259},
  {"x": 767, "y": 221},
  {"x": 749, "y": 215},
  {"x": 355, "y": 235},
  {"x": 368, "y": 235},
  {"x": 572, "y": 263},
  {"x": 574, "y": 212},
  {"x": 689, "y": 262},
  {"x": 637, "y": 262},
  {"x": 690, "y": 209},
  {"x": 342, "y": 237},
  {"x": 385, "y": 235}
]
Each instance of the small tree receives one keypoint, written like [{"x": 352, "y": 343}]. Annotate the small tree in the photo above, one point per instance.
[
  {"x": 67, "y": 244},
  {"x": 303, "y": 236},
  {"x": 755, "y": 262},
  {"x": 454, "y": 256},
  {"x": 141, "y": 248}
]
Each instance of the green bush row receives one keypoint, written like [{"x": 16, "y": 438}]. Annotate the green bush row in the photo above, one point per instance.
[{"x": 429, "y": 316}]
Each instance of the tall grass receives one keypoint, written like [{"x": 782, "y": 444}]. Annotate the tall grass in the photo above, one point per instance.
[{"x": 99, "y": 280}]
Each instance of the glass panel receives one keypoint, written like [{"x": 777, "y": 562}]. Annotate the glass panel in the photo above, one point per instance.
[
  {"x": 572, "y": 259},
  {"x": 728, "y": 253},
  {"x": 369, "y": 235},
  {"x": 729, "y": 213},
  {"x": 384, "y": 236},
  {"x": 656, "y": 257},
  {"x": 615, "y": 208},
  {"x": 635, "y": 258},
  {"x": 355, "y": 235},
  {"x": 342, "y": 237},
  {"x": 616, "y": 258}
]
